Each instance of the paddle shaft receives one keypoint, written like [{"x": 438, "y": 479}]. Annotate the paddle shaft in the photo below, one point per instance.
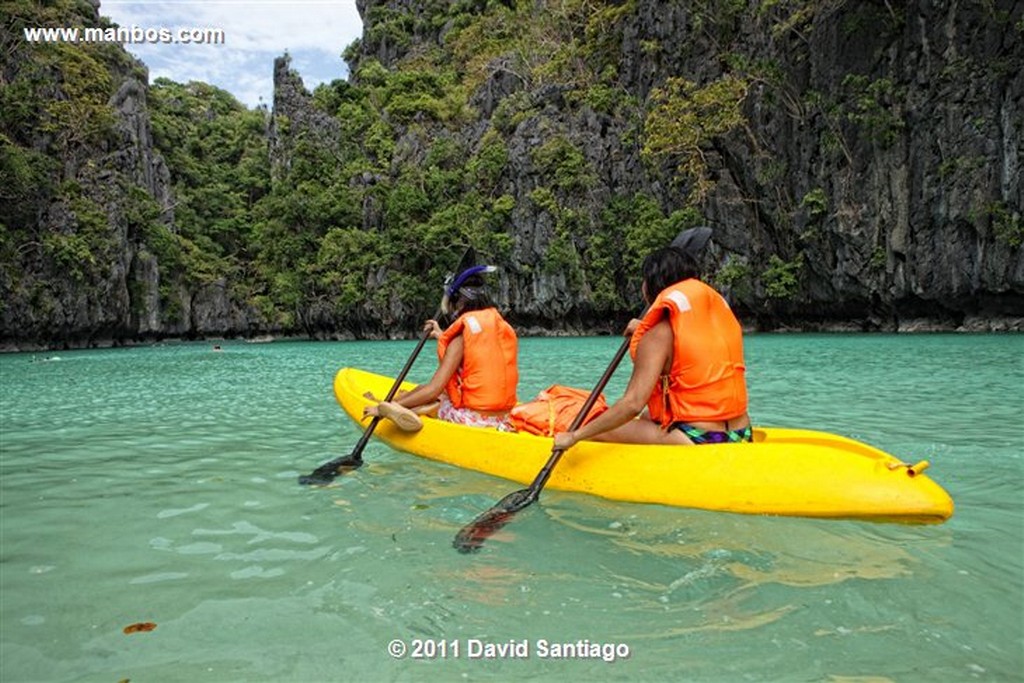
[
  {"x": 356, "y": 455},
  {"x": 326, "y": 472},
  {"x": 471, "y": 537},
  {"x": 357, "y": 451},
  {"x": 697, "y": 236},
  {"x": 556, "y": 453}
]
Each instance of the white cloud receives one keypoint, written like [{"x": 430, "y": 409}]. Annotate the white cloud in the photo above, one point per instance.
[{"x": 314, "y": 32}]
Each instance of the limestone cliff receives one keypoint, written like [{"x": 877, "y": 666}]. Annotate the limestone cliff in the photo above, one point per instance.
[
  {"x": 88, "y": 200},
  {"x": 859, "y": 162},
  {"x": 77, "y": 139},
  {"x": 874, "y": 182}
]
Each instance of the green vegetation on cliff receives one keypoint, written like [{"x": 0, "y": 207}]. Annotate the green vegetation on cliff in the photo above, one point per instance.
[
  {"x": 216, "y": 152},
  {"x": 55, "y": 123},
  {"x": 435, "y": 188},
  {"x": 562, "y": 140}
]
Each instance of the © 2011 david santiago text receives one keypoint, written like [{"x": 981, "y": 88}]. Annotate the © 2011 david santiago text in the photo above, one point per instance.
[{"x": 475, "y": 648}]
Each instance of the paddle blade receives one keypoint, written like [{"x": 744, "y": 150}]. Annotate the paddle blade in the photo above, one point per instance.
[
  {"x": 472, "y": 536},
  {"x": 326, "y": 473}
]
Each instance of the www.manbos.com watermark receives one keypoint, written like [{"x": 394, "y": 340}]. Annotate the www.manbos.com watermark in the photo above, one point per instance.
[{"x": 127, "y": 35}]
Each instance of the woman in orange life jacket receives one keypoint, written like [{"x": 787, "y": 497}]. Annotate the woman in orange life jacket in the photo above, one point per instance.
[
  {"x": 477, "y": 373},
  {"x": 688, "y": 365}
]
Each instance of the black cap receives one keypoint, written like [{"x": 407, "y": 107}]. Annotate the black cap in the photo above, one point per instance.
[{"x": 692, "y": 241}]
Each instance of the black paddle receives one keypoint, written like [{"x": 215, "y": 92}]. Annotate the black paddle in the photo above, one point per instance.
[
  {"x": 472, "y": 536},
  {"x": 326, "y": 473}
]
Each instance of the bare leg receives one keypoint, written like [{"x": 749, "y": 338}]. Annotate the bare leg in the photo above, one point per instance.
[
  {"x": 428, "y": 409},
  {"x": 369, "y": 395},
  {"x": 644, "y": 431}
]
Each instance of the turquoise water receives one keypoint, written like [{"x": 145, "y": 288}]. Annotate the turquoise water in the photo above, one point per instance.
[{"x": 159, "y": 485}]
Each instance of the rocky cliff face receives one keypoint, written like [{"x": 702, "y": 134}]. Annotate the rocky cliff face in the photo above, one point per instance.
[
  {"x": 878, "y": 168},
  {"x": 909, "y": 123},
  {"x": 84, "y": 189},
  {"x": 57, "y": 290},
  {"x": 134, "y": 160},
  {"x": 294, "y": 110},
  {"x": 874, "y": 182}
]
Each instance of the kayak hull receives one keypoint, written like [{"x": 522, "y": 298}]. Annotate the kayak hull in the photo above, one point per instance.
[{"x": 790, "y": 472}]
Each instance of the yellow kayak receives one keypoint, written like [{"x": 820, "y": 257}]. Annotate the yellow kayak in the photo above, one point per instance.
[{"x": 791, "y": 472}]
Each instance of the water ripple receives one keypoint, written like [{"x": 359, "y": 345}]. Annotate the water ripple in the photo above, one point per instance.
[{"x": 158, "y": 484}]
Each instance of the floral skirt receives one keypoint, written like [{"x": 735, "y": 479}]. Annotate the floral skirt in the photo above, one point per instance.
[{"x": 467, "y": 416}]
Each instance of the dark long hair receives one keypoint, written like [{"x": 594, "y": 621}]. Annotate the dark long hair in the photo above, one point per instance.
[{"x": 665, "y": 267}]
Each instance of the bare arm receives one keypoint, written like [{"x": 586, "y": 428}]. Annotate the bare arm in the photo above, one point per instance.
[
  {"x": 426, "y": 393},
  {"x": 651, "y": 355}
]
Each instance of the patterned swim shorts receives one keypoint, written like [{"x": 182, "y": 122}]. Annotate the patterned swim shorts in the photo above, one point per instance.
[
  {"x": 699, "y": 437},
  {"x": 467, "y": 416}
]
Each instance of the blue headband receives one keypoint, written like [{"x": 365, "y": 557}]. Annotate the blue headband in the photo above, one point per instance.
[{"x": 465, "y": 275}]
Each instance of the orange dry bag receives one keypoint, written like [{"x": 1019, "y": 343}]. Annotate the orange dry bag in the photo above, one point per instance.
[{"x": 553, "y": 410}]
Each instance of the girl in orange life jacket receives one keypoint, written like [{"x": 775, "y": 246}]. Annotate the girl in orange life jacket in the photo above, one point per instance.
[
  {"x": 688, "y": 366},
  {"x": 475, "y": 381}
]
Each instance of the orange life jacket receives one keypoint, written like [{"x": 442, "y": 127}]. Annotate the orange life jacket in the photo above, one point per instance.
[
  {"x": 553, "y": 410},
  {"x": 705, "y": 381},
  {"x": 489, "y": 373}
]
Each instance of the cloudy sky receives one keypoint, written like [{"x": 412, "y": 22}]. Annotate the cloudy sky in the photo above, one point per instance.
[{"x": 314, "y": 33}]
